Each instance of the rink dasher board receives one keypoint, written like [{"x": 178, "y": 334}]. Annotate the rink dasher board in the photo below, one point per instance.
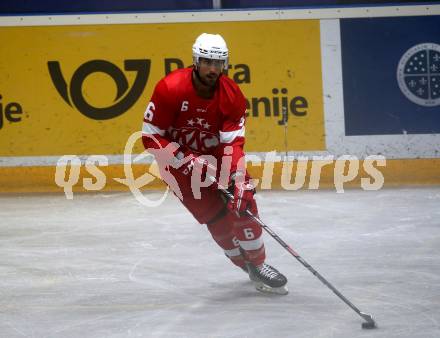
[
  {"x": 412, "y": 159},
  {"x": 284, "y": 175},
  {"x": 222, "y": 15}
]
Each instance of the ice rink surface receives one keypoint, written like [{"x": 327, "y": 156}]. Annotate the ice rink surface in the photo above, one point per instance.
[{"x": 103, "y": 265}]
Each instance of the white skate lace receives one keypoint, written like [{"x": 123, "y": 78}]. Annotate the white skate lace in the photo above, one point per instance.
[{"x": 268, "y": 272}]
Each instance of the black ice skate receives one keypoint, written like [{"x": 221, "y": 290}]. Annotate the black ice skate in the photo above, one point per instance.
[{"x": 267, "y": 279}]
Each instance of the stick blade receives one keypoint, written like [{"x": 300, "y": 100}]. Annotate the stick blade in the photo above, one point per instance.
[{"x": 370, "y": 323}]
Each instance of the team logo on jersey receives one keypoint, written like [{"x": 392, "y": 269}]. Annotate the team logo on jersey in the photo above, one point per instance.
[
  {"x": 74, "y": 95},
  {"x": 418, "y": 74},
  {"x": 196, "y": 135}
]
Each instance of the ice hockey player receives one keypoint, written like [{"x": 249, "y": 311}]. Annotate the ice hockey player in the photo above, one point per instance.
[{"x": 197, "y": 113}]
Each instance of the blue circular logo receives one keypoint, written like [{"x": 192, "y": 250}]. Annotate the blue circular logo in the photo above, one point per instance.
[{"x": 418, "y": 74}]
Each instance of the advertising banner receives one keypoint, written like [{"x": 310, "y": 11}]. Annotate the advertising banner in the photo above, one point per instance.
[
  {"x": 83, "y": 89},
  {"x": 391, "y": 75}
]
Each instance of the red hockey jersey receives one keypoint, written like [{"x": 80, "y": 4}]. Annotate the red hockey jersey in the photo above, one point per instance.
[{"x": 203, "y": 126}]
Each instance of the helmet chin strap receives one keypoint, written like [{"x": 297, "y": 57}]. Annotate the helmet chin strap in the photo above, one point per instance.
[{"x": 196, "y": 71}]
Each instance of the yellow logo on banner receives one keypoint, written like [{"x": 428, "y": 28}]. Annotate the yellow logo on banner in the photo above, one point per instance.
[
  {"x": 83, "y": 89},
  {"x": 142, "y": 68}
]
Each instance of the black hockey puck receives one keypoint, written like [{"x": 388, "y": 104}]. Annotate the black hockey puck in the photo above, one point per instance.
[{"x": 369, "y": 325}]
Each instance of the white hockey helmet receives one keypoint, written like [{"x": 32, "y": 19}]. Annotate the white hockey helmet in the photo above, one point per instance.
[{"x": 210, "y": 46}]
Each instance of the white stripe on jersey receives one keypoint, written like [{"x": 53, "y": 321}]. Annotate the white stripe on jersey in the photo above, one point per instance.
[
  {"x": 229, "y": 136},
  {"x": 151, "y": 129},
  {"x": 232, "y": 253},
  {"x": 252, "y": 245}
]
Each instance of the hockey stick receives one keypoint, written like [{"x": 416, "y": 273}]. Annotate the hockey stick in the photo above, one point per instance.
[{"x": 369, "y": 321}]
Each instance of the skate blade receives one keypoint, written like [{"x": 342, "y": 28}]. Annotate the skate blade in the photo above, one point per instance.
[{"x": 267, "y": 289}]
